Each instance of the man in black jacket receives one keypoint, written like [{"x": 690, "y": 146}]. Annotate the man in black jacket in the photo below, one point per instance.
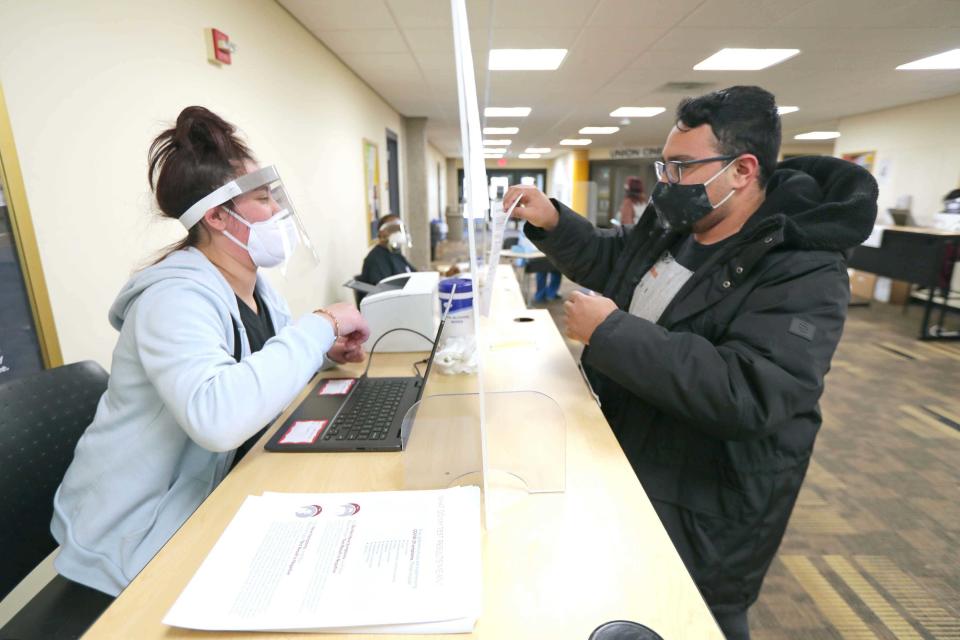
[{"x": 719, "y": 315}]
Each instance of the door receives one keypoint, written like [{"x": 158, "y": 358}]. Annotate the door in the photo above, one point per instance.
[
  {"x": 393, "y": 173},
  {"x": 28, "y": 334},
  {"x": 19, "y": 344}
]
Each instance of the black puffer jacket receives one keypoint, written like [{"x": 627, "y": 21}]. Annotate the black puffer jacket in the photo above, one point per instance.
[{"x": 716, "y": 405}]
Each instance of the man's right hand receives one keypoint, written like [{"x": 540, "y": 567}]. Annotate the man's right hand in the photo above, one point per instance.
[
  {"x": 352, "y": 325},
  {"x": 534, "y": 206}
]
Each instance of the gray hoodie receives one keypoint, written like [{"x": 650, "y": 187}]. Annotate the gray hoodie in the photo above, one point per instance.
[{"x": 176, "y": 407}]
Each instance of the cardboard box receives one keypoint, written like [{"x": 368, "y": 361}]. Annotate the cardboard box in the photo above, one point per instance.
[
  {"x": 891, "y": 291},
  {"x": 899, "y": 292},
  {"x": 862, "y": 284}
]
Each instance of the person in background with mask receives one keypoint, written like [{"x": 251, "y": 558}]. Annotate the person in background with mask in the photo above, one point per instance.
[
  {"x": 634, "y": 201},
  {"x": 719, "y": 315},
  {"x": 386, "y": 259},
  {"x": 208, "y": 356}
]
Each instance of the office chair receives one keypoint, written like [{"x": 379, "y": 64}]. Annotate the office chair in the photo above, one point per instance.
[
  {"x": 623, "y": 630},
  {"x": 42, "y": 416}
]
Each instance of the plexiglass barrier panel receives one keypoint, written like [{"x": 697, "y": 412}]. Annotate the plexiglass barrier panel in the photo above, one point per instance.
[{"x": 526, "y": 440}]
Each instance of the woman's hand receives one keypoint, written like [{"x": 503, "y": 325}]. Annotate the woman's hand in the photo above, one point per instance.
[
  {"x": 343, "y": 352},
  {"x": 353, "y": 328}
]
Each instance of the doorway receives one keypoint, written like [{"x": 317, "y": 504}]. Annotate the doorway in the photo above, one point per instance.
[
  {"x": 610, "y": 177},
  {"x": 393, "y": 173},
  {"x": 28, "y": 336},
  {"x": 499, "y": 179}
]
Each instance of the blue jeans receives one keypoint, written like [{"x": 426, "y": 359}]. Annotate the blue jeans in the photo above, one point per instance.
[{"x": 547, "y": 291}]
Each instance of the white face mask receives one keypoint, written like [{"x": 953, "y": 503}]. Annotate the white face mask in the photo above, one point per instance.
[
  {"x": 271, "y": 241},
  {"x": 396, "y": 240}
]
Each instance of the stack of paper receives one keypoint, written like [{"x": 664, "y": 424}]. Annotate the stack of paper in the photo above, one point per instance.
[{"x": 390, "y": 562}]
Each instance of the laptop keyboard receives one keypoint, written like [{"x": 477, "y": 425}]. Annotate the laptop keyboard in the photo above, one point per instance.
[{"x": 369, "y": 412}]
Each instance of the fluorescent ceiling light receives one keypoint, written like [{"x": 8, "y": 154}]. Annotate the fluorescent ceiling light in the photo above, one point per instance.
[
  {"x": 494, "y": 150},
  {"x": 537, "y": 150},
  {"x": 817, "y": 135},
  {"x": 496, "y": 143},
  {"x": 785, "y": 110},
  {"x": 525, "y": 59},
  {"x": 946, "y": 60},
  {"x": 744, "y": 59},
  {"x": 493, "y": 156},
  {"x": 598, "y": 130},
  {"x": 575, "y": 142},
  {"x": 637, "y": 112},
  {"x": 506, "y": 112},
  {"x": 500, "y": 131},
  {"x": 529, "y": 156}
]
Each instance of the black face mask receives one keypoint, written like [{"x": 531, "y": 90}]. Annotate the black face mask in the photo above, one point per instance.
[{"x": 680, "y": 206}]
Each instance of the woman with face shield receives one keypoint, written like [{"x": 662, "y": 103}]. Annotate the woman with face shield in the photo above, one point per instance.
[
  {"x": 386, "y": 259},
  {"x": 207, "y": 356}
]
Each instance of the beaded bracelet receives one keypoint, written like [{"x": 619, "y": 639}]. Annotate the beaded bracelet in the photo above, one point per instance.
[{"x": 336, "y": 323}]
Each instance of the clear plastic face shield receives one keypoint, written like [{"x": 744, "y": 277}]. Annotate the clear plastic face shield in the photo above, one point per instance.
[
  {"x": 259, "y": 201},
  {"x": 395, "y": 233}
]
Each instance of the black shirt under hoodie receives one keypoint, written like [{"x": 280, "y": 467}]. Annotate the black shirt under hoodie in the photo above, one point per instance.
[
  {"x": 259, "y": 328},
  {"x": 716, "y": 404}
]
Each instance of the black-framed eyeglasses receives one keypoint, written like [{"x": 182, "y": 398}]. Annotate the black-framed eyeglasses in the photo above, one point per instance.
[{"x": 672, "y": 170}]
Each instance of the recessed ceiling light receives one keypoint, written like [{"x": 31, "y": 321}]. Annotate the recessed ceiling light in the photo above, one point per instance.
[
  {"x": 817, "y": 135},
  {"x": 537, "y": 150},
  {"x": 946, "y": 60},
  {"x": 744, "y": 59},
  {"x": 496, "y": 143},
  {"x": 598, "y": 130},
  {"x": 494, "y": 149},
  {"x": 636, "y": 112},
  {"x": 500, "y": 131},
  {"x": 506, "y": 112},
  {"x": 525, "y": 59},
  {"x": 785, "y": 110},
  {"x": 529, "y": 156},
  {"x": 575, "y": 142}
]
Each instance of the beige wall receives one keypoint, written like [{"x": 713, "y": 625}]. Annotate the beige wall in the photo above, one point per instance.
[
  {"x": 920, "y": 146},
  {"x": 807, "y": 148},
  {"x": 88, "y": 85}
]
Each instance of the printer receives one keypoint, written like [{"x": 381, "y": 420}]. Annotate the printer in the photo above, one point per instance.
[{"x": 405, "y": 300}]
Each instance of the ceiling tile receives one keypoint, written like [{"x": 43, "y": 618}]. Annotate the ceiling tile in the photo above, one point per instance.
[
  {"x": 618, "y": 39},
  {"x": 643, "y": 14},
  {"x": 421, "y": 14},
  {"x": 326, "y": 15},
  {"x": 430, "y": 41},
  {"x": 363, "y": 41},
  {"x": 542, "y": 13}
]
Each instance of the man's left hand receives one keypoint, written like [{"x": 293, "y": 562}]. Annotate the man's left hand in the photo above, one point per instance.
[
  {"x": 585, "y": 313},
  {"x": 344, "y": 351}
]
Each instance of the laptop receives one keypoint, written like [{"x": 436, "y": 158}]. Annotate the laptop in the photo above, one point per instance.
[{"x": 355, "y": 414}]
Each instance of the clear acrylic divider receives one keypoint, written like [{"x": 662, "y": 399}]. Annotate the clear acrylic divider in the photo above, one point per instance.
[{"x": 526, "y": 442}]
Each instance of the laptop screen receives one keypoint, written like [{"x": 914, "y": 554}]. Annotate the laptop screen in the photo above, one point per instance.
[{"x": 436, "y": 344}]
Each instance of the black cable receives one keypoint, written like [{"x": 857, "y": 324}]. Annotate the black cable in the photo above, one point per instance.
[
  {"x": 417, "y": 370},
  {"x": 386, "y": 333}
]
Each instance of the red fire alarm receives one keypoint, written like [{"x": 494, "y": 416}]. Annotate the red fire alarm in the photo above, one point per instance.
[
  {"x": 219, "y": 47},
  {"x": 501, "y": 162}
]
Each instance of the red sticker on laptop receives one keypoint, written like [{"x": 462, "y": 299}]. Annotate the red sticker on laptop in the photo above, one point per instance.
[
  {"x": 303, "y": 432},
  {"x": 336, "y": 386}
]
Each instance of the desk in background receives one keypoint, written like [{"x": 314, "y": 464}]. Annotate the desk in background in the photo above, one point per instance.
[
  {"x": 919, "y": 256},
  {"x": 554, "y": 565}
]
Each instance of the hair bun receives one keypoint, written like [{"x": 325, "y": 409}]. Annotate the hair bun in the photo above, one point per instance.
[{"x": 201, "y": 131}]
